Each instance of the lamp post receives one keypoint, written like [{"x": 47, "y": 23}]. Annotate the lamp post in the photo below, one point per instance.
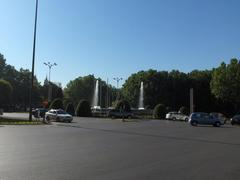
[
  {"x": 33, "y": 62},
  {"x": 50, "y": 65},
  {"x": 117, "y": 79}
]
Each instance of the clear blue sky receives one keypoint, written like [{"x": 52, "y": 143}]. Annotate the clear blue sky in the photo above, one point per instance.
[{"x": 115, "y": 38}]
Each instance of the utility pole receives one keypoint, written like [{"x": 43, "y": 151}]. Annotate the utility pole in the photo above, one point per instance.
[
  {"x": 191, "y": 101},
  {"x": 33, "y": 62}
]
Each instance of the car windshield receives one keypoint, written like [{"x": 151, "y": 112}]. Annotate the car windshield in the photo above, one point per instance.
[{"x": 61, "y": 112}]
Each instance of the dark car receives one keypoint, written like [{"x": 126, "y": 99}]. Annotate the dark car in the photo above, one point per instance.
[
  {"x": 39, "y": 112},
  {"x": 205, "y": 119},
  {"x": 119, "y": 114},
  {"x": 219, "y": 116},
  {"x": 235, "y": 119}
]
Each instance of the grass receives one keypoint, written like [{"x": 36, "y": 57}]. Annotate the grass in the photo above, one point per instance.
[{"x": 4, "y": 121}]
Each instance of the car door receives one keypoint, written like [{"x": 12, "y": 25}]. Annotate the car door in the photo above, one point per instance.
[
  {"x": 55, "y": 115},
  {"x": 204, "y": 118},
  {"x": 208, "y": 119}
]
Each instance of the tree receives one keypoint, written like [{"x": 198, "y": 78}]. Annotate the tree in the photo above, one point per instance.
[
  {"x": 70, "y": 109},
  {"x": 123, "y": 105},
  {"x": 56, "y": 104},
  {"x": 80, "y": 88},
  {"x": 83, "y": 88},
  {"x": 83, "y": 109},
  {"x": 5, "y": 92},
  {"x": 184, "y": 110},
  {"x": 225, "y": 83},
  {"x": 170, "y": 88},
  {"x": 2, "y": 64},
  {"x": 159, "y": 111},
  {"x": 204, "y": 100},
  {"x": 57, "y": 91},
  {"x": 20, "y": 82}
]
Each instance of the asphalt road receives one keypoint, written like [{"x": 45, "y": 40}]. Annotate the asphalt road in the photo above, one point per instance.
[{"x": 104, "y": 149}]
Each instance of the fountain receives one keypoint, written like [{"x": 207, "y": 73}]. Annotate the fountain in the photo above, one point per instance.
[
  {"x": 140, "y": 103},
  {"x": 95, "y": 97}
]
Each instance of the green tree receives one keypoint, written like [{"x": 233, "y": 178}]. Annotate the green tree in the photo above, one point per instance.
[
  {"x": 159, "y": 111},
  {"x": 56, "y": 104},
  {"x": 204, "y": 100},
  {"x": 123, "y": 105},
  {"x": 83, "y": 88},
  {"x": 20, "y": 82},
  {"x": 5, "y": 92},
  {"x": 83, "y": 109},
  {"x": 170, "y": 88},
  {"x": 225, "y": 83},
  {"x": 56, "y": 90},
  {"x": 70, "y": 109}
]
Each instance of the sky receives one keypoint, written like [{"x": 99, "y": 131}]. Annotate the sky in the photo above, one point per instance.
[{"x": 116, "y": 38}]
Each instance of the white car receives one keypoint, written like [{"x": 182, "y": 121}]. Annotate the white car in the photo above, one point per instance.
[
  {"x": 176, "y": 116},
  {"x": 58, "y": 115}
]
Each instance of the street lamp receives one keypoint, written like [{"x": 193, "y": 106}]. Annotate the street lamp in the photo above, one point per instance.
[
  {"x": 117, "y": 79},
  {"x": 33, "y": 62},
  {"x": 50, "y": 65}
]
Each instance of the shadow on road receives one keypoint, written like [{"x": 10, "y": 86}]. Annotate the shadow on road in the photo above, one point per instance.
[{"x": 155, "y": 136}]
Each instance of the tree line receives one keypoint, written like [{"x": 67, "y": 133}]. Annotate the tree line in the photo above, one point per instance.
[{"x": 215, "y": 90}]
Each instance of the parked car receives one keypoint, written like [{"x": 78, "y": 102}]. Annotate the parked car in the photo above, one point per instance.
[
  {"x": 176, "y": 116},
  {"x": 205, "y": 118},
  {"x": 39, "y": 112},
  {"x": 219, "y": 116},
  {"x": 58, "y": 115},
  {"x": 114, "y": 113},
  {"x": 235, "y": 119}
]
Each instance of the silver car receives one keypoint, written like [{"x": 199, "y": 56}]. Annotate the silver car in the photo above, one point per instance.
[
  {"x": 176, "y": 116},
  {"x": 205, "y": 118},
  {"x": 58, "y": 115}
]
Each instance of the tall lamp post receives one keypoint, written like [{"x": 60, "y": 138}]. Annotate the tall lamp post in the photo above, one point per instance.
[
  {"x": 33, "y": 62},
  {"x": 117, "y": 79},
  {"x": 50, "y": 65}
]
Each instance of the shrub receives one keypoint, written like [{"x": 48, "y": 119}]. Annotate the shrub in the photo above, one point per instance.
[
  {"x": 124, "y": 105},
  {"x": 184, "y": 110},
  {"x": 159, "y": 111},
  {"x": 56, "y": 104},
  {"x": 83, "y": 109},
  {"x": 70, "y": 109}
]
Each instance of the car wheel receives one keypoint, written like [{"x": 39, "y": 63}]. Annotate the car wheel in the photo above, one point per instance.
[
  {"x": 186, "y": 119},
  {"x": 129, "y": 117},
  {"x": 57, "y": 119},
  {"x": 174, "y": 119},
  {"x": 232, "y": 123},
  {"x": 194, "y": 123},
  {"x": 217, "y": 124},
  {"x": 112, "y": 117}
]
